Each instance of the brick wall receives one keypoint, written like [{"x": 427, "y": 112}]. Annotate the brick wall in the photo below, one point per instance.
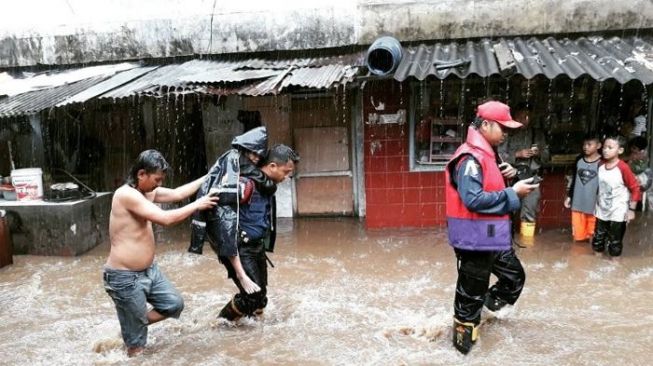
[
  {"x": 553, "y": 214},
  {"x": 396, "y": 197}
]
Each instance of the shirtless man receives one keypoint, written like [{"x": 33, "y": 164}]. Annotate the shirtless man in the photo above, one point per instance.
[{"x": 131, "y": 277}]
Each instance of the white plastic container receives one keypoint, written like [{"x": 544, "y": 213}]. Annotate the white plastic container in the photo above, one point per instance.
[{"x": 28, "y": 183}]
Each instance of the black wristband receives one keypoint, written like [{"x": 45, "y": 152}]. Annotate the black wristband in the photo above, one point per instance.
[{"x": 631, "y": 209}]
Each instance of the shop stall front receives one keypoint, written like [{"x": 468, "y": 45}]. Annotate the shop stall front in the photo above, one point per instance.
[{"x": 568, "y": 88}]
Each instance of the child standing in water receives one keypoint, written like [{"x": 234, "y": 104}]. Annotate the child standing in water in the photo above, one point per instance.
[
  {"x": 583, "y": 190},
  {"x": 618, "y": 196}
]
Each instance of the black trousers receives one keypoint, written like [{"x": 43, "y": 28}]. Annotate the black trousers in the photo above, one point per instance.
[
  {"x": 474, "y": 269},
  {"x": 252, "y": 258},
  {"x": 610, "y": 233}
]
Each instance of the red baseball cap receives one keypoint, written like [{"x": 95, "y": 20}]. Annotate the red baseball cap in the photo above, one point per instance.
[{"x": 498, "y": 112}]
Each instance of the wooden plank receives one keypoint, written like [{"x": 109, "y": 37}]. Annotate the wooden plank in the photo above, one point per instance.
[
  {"x": 324, "y": 196},
  {"x": 322, "y": 149}
]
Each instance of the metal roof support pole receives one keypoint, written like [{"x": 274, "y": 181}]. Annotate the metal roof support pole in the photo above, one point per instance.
[
  {"x": 358, "y": 135},
  {"x": 594, "y": 108},
  {"x": 37, "y": 150},
  {"x": 11, "y": 156},
  {"x": 649, "y": 118}
]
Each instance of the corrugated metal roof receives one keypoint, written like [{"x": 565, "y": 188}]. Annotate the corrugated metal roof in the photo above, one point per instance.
[
  {"x": 36, "y": 101},
  {"x": 305, "y": 77},
  {"x": 106, "y": 85},
  {"x": 260, "y": 76},
  {"x": 227, "y": 75},
  {"x": 76, "y": 91},
  {"x": 320, "y": 77},
  {"x": 29, "y": 81},
  {"x": 165, "y": 75},
  {"x": 183, "y": 78},
  {"x": 621, "y": 59},
  {"x": 353, "y": 59},
  {"x": 269, "y": 86}
]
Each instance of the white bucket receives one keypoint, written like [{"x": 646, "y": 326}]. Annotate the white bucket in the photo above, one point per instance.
[{"x": 28, "y": 183}]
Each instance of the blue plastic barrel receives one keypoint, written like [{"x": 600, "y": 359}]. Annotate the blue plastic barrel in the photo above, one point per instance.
[{"x": 384, "y": 56}]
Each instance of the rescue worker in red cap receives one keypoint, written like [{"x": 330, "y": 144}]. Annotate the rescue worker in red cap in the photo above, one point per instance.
[{"x": 478, "y": 222}]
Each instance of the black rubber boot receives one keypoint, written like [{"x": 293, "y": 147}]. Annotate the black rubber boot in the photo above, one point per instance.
[
  {"x": 615, "y": 244},
  {"x": 258, "y": 313},
  {"x": 494, "y": 303},
  {"x": 464, "y": 335},
  {"x": 230, "y": 312},
  {"x": 615, "y": 248},
  {"x": 197, "y": 236},
  {"x": 600, "y": 236}
]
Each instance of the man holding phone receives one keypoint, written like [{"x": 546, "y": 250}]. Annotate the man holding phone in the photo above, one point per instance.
[{"x": 478, "y": 222}]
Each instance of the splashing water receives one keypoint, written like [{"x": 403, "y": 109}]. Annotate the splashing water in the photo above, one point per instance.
[{"x": 341, "y": 295}]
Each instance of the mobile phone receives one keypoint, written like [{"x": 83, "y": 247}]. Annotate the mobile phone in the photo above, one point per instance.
[{"x": 537, "y": 179}]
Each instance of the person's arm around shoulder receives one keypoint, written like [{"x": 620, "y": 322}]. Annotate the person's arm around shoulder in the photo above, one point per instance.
[
  {"x": 138, "y": 204},
  {"x": 168, "y": 195}
]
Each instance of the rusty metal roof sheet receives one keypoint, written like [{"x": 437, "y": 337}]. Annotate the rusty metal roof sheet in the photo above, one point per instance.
[
  {"x": 107, "y": 85},
  {"x": 167, "y": 75},
  {"x": 621, "y": 59},
  {"x": 245, "y": 77},
  {"x": 320, "y": 77},
  {"x": 304, "y": 77},
  {"x": 353, "y": 59},
  {"x": 251, "y": 77},
  {"x": 188, "y": 77}
]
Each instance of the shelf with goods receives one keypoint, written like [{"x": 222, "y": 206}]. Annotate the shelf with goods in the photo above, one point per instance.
[{"x": 446, "y": 136}]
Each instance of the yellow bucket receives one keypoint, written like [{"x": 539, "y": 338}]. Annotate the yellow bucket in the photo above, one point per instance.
[{"x": 527, "y": 229}]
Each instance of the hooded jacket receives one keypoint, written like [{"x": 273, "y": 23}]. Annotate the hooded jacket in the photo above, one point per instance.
[{"x": 221, "y": 223}]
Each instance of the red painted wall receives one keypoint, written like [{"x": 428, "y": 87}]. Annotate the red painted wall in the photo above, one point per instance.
[
  {"x": 396, "y": 197},
  {"x": 553, "y": 214}
]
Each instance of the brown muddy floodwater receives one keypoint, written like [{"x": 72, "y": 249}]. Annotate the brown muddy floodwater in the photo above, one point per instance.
[{"x": 342, "y": 295}]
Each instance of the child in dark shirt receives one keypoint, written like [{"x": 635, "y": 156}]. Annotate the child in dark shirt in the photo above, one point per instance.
[{"x": 583, "y": 190}]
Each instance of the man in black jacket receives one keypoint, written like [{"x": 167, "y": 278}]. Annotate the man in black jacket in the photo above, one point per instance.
[
  {"x": 220, "y": 225},
  {"x": 256, "y": 235}
]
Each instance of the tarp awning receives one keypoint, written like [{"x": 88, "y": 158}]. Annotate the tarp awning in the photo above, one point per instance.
[{"x": 622, "y": 59}]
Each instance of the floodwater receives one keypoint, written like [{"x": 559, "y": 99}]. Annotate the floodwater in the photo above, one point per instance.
[{"x": 342, "y": 295}]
